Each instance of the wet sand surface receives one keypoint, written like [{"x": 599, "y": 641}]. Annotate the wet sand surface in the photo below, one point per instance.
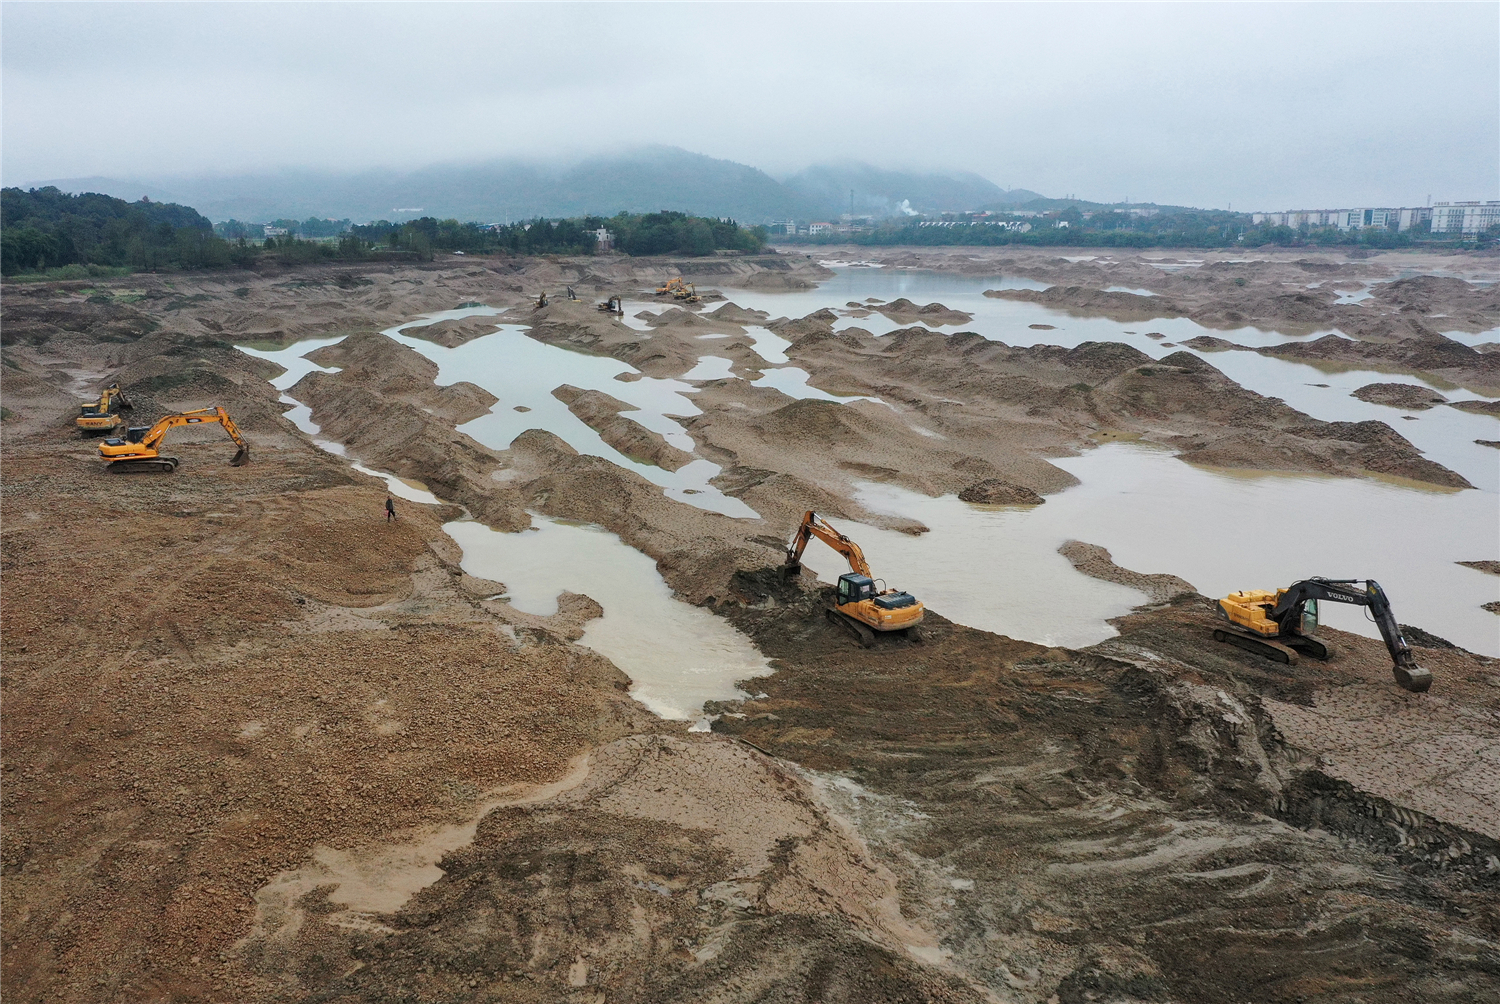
[{"x": 261, "y": 745}]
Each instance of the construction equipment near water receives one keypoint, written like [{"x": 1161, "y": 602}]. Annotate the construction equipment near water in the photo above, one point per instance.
[
  {"x": 860, "y": 607},
  {"x": 97, "y": 416},
  {"x": 679, "y": 290},
  {"x": 614, "y": 305},
  {"x": 1280, "y": 625},
  {"x": 139, "y": 449}
]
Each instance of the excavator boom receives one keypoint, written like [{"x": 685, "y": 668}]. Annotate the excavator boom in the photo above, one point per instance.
[
  {"x": 814, "y": 525},
  {"x": 139, "y": 449},
  {"x": 859, "y": 607}
]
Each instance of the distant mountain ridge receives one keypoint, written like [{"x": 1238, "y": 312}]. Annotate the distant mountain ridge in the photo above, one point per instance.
[{"x": 642, "y": 180}]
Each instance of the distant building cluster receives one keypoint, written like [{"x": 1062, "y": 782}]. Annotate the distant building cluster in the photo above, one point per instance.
[{"x": 1446, "y": 217}]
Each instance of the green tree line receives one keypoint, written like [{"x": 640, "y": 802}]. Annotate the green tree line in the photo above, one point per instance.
[
  {"x": 633, "y": 233},
  {"x": 43, "y": 230}
]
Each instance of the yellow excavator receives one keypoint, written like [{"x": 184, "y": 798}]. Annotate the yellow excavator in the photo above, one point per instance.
[
  {"x": 96, "y": 416},
  {"x": 860, "y": 607},
  {"x": 1279, "y": 625},
  {"x": 680, "y": 290},
  {"x": 139, "y": 449}
]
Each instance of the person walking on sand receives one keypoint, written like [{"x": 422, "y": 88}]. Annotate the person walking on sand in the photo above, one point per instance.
[{"x": 390, "y": 508}]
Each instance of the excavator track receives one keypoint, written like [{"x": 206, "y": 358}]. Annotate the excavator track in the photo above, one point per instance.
[
  {"x": 860, "y": 632},
  {"x": 156, "y": 465},
  {"x": 1309, "y": 645},
  {"x": 1273, "y": 650}
]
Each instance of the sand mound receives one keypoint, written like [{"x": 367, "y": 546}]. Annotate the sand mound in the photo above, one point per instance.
[
  {"x": 601, "y": 412},
  {"x": 454, "y": 331},
  {"x": 1095, "y": 561},
  {"x": 1084, "y": 300},
  {"x": 904, "y": 310},
  {"x": 1400, "y": 395},
  {"x": 993, "y": 491}
]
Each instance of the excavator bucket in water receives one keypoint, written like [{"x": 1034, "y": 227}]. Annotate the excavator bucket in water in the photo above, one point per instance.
[{"x": 241, "y": 458}]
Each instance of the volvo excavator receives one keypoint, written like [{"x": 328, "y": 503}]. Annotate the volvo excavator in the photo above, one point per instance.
[
  {"x": 139, "y": 449},
  {"x": 680, "y": 290},
  {"x": 1280, "y": 625},
  {"x": 96, "y": 416},
  {"x": 859, "y": 606}
]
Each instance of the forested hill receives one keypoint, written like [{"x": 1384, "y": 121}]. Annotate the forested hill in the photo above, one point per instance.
[
  {"x": 45, "y": 228},
  {"x": 638, "y": 181}
]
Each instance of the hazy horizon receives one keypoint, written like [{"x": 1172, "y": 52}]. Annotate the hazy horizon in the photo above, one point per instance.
[{"x": 1255, "y": 106}]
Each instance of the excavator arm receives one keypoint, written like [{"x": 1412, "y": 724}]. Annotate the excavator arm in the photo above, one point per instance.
[
  {"x": 1292, "y": 602},
  {"x": 140, "y": 448},
  {"x": 814, "y": 525}
]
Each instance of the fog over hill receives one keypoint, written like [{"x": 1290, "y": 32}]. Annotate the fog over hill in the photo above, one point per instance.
[{"x": 641, "y": 180}]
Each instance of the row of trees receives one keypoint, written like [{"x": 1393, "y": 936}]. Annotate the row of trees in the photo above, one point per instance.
[
  {"x": 632, "y": 233},
  {"x": 44, "y": 229},
  {"x": 232, "y": 230}
]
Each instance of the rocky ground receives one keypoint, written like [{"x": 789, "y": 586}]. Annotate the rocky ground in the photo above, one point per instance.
[{"x": 261, "y": 745}]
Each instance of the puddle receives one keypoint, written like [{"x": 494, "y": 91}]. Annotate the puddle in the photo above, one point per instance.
[
  {"x": 767, "y": 344},
  {"x": 710, "y": 368},
  {"x": 676, "y": 655},
  {"x": 996, "y": 568},
  {"x": 792, "y": 381},
  {"x": 522, "y": 373},
  {"x": 402, "y": 488}
]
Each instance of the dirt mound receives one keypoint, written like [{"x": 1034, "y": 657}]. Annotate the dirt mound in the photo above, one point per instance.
[
  {"x": 903, "y": 310},
  {"x": 735, "y": 314},
  {"x": 994, "y": 491},
  {"x": 1400, "y": 395},
  {"x": 1478, "y": 407},
  {"x": 394, "y": 371},
  {"x": 1095, "y": 561},
  {"x": 1182, "y": 391},
  {"x": 775, "y": 282},
  {"x": 454, "y": 331},
  {"x": 1171, "y": 756},
  {"x": 1492, "y": 567},
  {"x": 1084, "y": 300},
  {"x": 602, "y": 413}
]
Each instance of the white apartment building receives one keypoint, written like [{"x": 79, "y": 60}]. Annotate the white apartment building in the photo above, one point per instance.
[
  {"x": 1346, "y": 219},
  {"x": 1464, "y": 217}
]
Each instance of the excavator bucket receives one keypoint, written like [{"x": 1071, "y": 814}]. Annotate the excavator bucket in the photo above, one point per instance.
[
  {"x": 1412, "y": 677},
  {"x": 241, "y": 458}
]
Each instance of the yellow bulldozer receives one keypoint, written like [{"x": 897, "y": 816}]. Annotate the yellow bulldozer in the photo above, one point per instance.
[
  {"x": 861, "y": 607},
  {"x": 102, "y": 415},
  {"x": 139, "y": 450}
]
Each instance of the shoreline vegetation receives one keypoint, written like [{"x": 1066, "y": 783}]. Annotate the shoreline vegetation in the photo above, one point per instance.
[{"x": 50, "y": 235}]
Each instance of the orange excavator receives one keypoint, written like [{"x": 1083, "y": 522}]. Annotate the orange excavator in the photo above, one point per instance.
[
  {"x": 139, "y": 449},
  {"x": 680, "y": 290},
  {"x": 860, "y": 606},
  {"x": 103, "y": 415}
]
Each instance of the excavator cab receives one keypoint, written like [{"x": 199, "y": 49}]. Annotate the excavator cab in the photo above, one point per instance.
[
  {"x": 1310, "y": 617},
  {"x": 854, "y": 587}
]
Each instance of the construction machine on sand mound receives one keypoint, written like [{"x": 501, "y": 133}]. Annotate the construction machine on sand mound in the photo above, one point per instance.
[
  {"x": 859, "y": 606},
  {"x": 139, "y": 449},
  {"x": 95, "y": 416},
  {"x": 1280, "y": 625},
  {"x": 680, "y": 290}
]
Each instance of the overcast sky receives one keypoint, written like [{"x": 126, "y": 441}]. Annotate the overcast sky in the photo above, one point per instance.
[{"x": 1264, "y": 106}]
